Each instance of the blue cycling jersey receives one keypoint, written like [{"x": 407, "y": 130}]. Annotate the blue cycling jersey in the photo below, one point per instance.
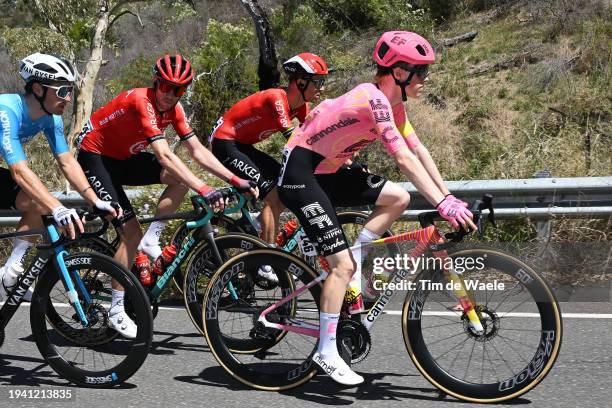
[{"x": 16, "y": 128}]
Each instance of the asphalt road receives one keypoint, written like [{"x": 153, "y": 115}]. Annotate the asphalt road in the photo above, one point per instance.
[{"x": 180, "y": 371}]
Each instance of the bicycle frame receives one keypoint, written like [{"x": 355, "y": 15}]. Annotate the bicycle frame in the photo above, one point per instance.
[
  {"x": 203, "y": 230},
  {"x": 424, "y": 239}
]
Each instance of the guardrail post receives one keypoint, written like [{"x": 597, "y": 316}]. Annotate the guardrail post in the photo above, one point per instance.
[{"x": 544, "y": 226}]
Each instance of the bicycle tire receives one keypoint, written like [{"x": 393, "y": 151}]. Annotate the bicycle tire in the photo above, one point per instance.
[
  {"x": 291, "y": 375},
  {"x": 138, "y": 347},
  {"x": 505, "y": 389},
  {"x": 182, "y": 232},
  {"x": 200, "y": 268}
]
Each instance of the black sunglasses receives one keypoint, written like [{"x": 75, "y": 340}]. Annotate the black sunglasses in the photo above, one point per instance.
[{"x": 421, "y": 70}]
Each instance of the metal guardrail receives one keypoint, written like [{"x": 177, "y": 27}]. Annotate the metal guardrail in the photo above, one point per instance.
[
  {"x": 10, "y": 218},
  {"x": 537, "y": 198}
]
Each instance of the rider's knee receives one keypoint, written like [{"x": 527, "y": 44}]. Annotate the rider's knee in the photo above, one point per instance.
[
  {"x": 23, "y": 202},
  {"x": 345, "y": 268}
]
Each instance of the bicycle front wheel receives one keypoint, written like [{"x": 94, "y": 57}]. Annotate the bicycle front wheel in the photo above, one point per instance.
[
  {"x": 92, "y": 356},
  {"x": 520, "y": 316}
]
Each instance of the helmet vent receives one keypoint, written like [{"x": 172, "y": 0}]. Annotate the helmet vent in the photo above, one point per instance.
[
  {"x": 382, "y": 50},
  {"x": 421, "y": 50},
  {"x": 46, "y": 68}
]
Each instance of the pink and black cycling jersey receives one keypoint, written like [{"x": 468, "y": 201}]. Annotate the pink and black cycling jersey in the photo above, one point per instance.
[{"x": 338, "y": 128}]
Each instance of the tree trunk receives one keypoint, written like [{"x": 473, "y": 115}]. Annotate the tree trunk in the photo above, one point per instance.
[
  {"x": 83, "y": 103},
  {"x": 269, "y": 76}
]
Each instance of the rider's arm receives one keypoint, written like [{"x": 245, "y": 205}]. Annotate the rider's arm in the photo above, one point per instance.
[
  {"x": 174, "y": 165},
  {"x": 75, "y": 176},
  {"x": 412, "y": 168},
  {"x": 398, "y": 147},
  {"x": 427, "y": 161},
  {"x": 32, "y": 186},
  {"x": 415, "y": 145},
  {"x": 206, "y": 159},
  {"x": 13, "y": 153}
]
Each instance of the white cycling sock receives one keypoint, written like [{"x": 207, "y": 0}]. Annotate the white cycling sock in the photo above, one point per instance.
[
  {"x": 327, "y": 334},
  {"x": 359, "y": 254},
  {"x": 116, "y": 302},
  {"x": 20, "y": 249},
  {"x": 150, "y": 241}
]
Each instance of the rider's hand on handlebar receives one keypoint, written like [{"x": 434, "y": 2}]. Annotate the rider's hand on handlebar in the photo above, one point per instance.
[
  {"x": 213, "y": 197},
  {"x": 65, "y": 218},
  {"x": 245, "y": 186},
  {"x": 113, "y": 208},
  {"x": 454, "y": 212},
  {"x": 463, "y": 203}
]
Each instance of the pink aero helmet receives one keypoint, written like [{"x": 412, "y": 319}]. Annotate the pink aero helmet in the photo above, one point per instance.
[{"x": 396, "y": 46}]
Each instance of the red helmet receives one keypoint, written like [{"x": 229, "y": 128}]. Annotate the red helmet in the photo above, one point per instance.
[
  {"x": 174, "y": 69},
  {"x": 396, "y": 46},
  {"x": 305, "y": 64}
]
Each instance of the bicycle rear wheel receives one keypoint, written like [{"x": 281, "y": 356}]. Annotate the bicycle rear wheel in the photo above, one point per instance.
[
  {"x": 283, "y": 360},
  {"x": 93, "y": 356},
  {"x": 522, "y": 328},
  {"x": 202, "y": 265},
  {"x": 219, "y": 221}
]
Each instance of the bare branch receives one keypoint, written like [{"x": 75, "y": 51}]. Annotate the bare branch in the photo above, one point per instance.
[
  {"x": 124, "y": 12},
  {"x": 122, "y": 3},
  {"x": 467, "y": 37},
  {"x": 40, "y": 12},
  {"x": 197, "y": 78}
]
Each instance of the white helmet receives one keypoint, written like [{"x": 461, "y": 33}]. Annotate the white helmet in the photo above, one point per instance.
[{"x": 47, "y": 68}]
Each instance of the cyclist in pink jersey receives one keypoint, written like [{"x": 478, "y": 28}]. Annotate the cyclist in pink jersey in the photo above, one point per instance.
[{"x": 312, "y": 181}]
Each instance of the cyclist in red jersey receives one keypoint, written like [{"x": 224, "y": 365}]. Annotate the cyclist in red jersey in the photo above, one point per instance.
[
  {"x": 111, "y": 153},
  {"x": 312, "y": 181},
  {"x": 257, "y": 117}
]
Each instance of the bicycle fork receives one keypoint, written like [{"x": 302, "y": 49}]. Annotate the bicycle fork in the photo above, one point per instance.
[{"x": 60, "y": 264}]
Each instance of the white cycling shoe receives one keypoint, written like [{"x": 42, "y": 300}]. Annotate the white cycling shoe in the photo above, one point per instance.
[
  {"x": 123, "y": 324},
  {"x": 337, "y": 369},
  {"x": 266, "y": 272}
]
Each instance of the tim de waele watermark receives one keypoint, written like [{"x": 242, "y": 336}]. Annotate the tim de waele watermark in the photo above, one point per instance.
[{"x": 384, "y": 266}]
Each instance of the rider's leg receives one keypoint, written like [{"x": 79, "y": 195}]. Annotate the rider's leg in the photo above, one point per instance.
[
  {"x": 270, "y": 215},
  {"x": 169, "y": 201},
  {"x": 130, "y": 237},
  {"x": 390, "y": 205},
  {"x": 327, "y": 356},
  {"x": 31, "y": 219}
]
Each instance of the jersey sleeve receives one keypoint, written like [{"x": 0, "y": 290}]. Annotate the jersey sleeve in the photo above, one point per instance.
[
  {"x": 279, "y": 109},
  {"x": 181, "y": 124},
  {"x": 404, "y": 126},
  {"x": 10, "y": 146},
  {"x": 55, "y": 136},
  {"x": 384, "y": 124},
  {"x": 147, "y": 119}
]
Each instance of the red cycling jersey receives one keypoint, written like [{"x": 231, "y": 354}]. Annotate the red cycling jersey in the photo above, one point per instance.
[
  {"x": 257, "y": 117},
  {"x": 126, "y": 125}
]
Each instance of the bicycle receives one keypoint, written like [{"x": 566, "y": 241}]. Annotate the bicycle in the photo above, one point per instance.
[
  {"x": 243, "y": 237},
  {"x": 286, "y": 323},
  {"x": 69, "y": 312}
]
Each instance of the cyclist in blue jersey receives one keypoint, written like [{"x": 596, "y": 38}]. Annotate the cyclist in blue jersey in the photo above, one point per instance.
[{"x": 50, "y": 81}]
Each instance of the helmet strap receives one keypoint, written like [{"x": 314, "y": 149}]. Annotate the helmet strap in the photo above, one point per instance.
[
  {"x": 41, "y": 99},
  {"x": 303, "y": 87},
  {"x": 403, "y": 84}
]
